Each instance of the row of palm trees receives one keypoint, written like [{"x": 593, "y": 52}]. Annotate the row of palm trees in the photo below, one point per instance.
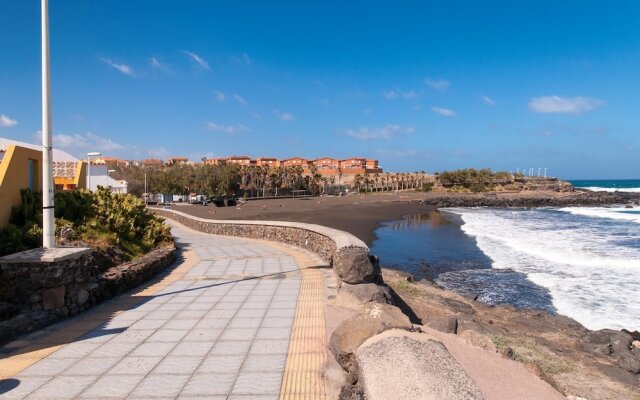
[
  {"x": 391, "y": 181},
  {"x": 260, "y": 181}
]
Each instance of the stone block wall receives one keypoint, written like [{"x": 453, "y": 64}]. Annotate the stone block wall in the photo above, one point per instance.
[
  {"x": 44, "y": 292},
  {"x": 58, "y": 287},
  {"x": 316, "y": 242}
]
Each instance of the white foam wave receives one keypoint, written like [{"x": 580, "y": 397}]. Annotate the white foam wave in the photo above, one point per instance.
[
  {"x": 619, "y": 213},
  {"x": 608, "y": 189},
  {"x": 591, "y": 275}
]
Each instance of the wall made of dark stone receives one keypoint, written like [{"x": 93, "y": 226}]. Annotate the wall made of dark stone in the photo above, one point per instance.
[
  {"x": 320, "y": 244},
  {"x": 44, "y": 292}
]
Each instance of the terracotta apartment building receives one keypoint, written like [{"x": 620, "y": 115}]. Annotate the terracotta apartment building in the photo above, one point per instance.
[{"x": 325, "y": 165}]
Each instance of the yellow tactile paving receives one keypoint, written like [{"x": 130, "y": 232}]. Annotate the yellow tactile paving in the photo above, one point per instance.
[
  {"x": 39, "y": 348},
  {"x": 306, "y": 358}
]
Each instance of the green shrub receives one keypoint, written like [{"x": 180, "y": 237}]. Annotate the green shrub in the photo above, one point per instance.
[
  {"x": 426, "y": 187},
  {"x": 99, "y": 219}
]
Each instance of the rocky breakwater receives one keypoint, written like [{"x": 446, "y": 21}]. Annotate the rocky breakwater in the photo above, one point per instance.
[
  {"x": 380, "y": 367},
  {"x": 528, "y": 199}
]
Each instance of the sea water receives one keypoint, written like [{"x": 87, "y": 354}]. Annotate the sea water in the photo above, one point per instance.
[
  {"x": 612, "y": 185},
  {"x": 580, "y": 262}
]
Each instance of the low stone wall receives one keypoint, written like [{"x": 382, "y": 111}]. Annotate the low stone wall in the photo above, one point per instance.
[
  {"x": 326, "y": 242},
  {"x": 44, "y": 291}
]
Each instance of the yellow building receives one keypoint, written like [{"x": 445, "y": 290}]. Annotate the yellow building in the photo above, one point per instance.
[{"x": 21, "y": 168}]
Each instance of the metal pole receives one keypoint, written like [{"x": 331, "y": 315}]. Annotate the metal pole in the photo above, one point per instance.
[
  {"x": 88, "y": 172},
  {"x": 48, "y": 218},
  {"x": 146, "y": 194}
]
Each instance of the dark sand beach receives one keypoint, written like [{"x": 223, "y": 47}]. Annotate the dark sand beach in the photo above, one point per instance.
[
  {"x": 361, "y": 215},
  {"x": 358, "y": 215}
]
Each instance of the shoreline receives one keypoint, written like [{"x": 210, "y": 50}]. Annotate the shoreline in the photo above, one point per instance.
[
  {"x": 361, "y": 215},
  {"x": 555, "y": 347}
]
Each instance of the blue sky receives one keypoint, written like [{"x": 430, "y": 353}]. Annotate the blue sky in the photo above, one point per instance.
[{"x": 418, "y": 85}]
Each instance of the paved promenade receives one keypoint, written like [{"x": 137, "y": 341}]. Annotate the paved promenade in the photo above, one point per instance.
[{"x": 206, "y": 330}]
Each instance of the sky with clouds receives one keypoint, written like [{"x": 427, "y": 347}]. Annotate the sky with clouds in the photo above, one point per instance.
[{"x": 419, "y": 85}]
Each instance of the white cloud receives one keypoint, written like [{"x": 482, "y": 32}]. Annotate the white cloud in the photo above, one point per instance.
[
  {"x": 438, "y": 84},
  {"x": 285, "y": 116},
  {"x": 157, "y": 64},
  {"x": 445, "y": 112},
  {"x": 386, "y": 132},
  {"x": 240, "y": 99},
  {"x": 220, "y": 97},
  {"x": 6, "y": 122},
  {"x": 124, "y": 68},
  {"x": 488, "y": 101},
  {"x": 564, "y": 105},
  {"x": 197, "y": 59},
  {"x": 228, "y": 129},
  {"x": 395, "y": 93},
  {"x": 87, "y": 141}
]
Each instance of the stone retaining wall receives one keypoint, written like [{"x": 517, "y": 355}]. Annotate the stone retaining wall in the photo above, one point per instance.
[
  {"x": 41, "y": 293},
  {"x": 321, "y": 240}
]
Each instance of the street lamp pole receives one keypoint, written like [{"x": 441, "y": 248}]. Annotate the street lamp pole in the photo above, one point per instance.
[{"x": 48, "y": 217}]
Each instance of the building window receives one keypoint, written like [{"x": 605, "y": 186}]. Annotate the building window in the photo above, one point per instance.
[{"x": 33, "y": 164}]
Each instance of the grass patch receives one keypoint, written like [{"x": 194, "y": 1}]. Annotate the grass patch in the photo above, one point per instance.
[
  {"x": 527, "y": 351},
  {"x": 408, "y": 287}
]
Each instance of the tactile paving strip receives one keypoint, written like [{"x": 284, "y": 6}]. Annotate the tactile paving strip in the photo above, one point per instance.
[{"x": 306, "y": 359}]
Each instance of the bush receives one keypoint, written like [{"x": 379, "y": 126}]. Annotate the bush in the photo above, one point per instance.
[
  {"x": 426, "y": 187},
  {"x": 99, "y": 219}
]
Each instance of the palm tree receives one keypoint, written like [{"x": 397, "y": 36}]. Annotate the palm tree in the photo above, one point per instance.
[{"x": 357, "y": 181}]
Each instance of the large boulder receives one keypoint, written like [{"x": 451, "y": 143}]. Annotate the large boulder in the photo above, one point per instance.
[
  {"x": 354, "y": 296},
  {"x": 354, "y": 265},
  {"x": 607, "y": 342},
  {"x": 628, "y": 362},
  {"x": 373, "y": 318},
  {"x": 405, "y": 365},
  {"x": 616, "y": 344},
  {"x": 445, "y": 324}
]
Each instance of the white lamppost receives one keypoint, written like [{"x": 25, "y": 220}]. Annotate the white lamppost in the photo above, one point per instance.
[
  {"x": 89, "y": 155},
  {"x": 48, "y": 218}
]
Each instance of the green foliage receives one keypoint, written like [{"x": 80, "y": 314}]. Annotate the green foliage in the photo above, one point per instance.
[
  {"x": 100, "y": 219},
  {"x": 426, "y": 187},
  {"x": 29, "y": 211},
  {"x": 474, "y": 180}
]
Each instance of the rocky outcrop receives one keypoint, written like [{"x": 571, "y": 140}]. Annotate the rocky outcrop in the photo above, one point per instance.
[
  {"x": 403, "y": 365},
  {"x": 616, "y": 344},
  {"x": 528, "y": 201},
  {"x": 354, "y": 296},
  {"x": 373, "y": 319},
  {"x": 355, "y": 266},
  {"x": 445, "y": 324}
]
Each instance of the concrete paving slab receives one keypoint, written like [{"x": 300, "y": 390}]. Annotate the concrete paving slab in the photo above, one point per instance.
[{"x": 218, "y": 328}]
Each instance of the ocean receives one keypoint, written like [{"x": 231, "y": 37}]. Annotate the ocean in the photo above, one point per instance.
[
  {"x": 583, "y": 262},
  {"x": 621, "y": 185}
]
